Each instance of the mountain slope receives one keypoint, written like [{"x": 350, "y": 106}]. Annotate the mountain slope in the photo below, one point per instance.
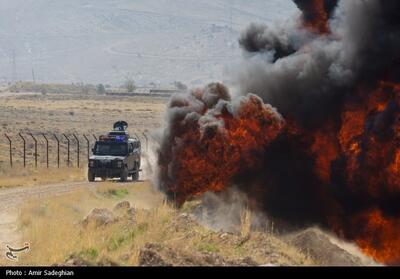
[{"x": 108, "y": 40}]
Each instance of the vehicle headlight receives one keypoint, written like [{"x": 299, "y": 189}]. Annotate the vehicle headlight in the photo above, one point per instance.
[{"x": 91, "y": 163}]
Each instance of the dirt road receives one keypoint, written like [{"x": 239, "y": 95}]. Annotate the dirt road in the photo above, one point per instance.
[
  {"x": 11, "y": 198},
  {"x": 11, "y": 201}
]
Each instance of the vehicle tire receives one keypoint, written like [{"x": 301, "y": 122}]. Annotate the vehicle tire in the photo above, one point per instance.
[
  {"x": 135, "y": 175},
  {"x": 124, "y": 175},
  {"x": 91, "y": 176}
]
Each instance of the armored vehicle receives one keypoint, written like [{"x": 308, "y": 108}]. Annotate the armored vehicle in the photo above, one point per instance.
[{"x": 115, "y": 155}]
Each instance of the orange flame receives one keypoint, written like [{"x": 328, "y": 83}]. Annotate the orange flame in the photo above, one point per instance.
[
  {"x": 319, "y": 21},
  {"x": 379, "y": 238},
  {"x": 364, "y": 139},
  {"x": 208, "y": 158}
]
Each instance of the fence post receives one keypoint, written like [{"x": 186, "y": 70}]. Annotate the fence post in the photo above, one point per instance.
[
  {"x": 58, "y": 150},
  {"x": 78, "y": 149},
  {"x": 147, "y": 142},
  {"x": 87, "y": 146},
  {"x": 94, "y": 136},
  {"x": 10, "y": 142},
  {"x": 68, "y": 146},
  {"x": 23, "y": 139},
  {"x": 47, "y": 150},
  {"x": 36, "y": 155}
]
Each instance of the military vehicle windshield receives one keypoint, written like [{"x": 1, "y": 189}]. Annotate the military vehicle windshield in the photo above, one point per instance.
[{"x": 111, "y": 149}]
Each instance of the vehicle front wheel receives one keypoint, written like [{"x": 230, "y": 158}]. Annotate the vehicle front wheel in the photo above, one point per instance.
[
  {"x": 135, "y": 175},
  {"x": 91, "y": 176},
  {"x": 124, "y": 175}
]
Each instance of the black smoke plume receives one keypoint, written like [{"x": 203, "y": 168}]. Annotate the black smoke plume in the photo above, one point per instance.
[{"x": 333, "y": 155}]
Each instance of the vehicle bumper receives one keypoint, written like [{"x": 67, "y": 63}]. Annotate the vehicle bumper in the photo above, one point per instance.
[{"x": 107, "y": 173}]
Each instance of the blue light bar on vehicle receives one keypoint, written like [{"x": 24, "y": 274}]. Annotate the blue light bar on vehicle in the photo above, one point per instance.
[{"x": 120, "y": 138}]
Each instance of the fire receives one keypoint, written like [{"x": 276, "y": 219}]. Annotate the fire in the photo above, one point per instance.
[
  {"x": 378, "y": 236},
  {"x": 332, "y": 157},
  {"x": 368, "y": 139},
  {"x": 319, "y": 22},
  {"x": 325, "y": 148},
  {"x": 214, "y": 143},
  {"x": 316, "y": 14},
  {"x": 224, "y": 140}
]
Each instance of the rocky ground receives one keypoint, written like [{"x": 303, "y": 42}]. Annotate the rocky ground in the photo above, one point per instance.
[{"x": 307, "y": 247}]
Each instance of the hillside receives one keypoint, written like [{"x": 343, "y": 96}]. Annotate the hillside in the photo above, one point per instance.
[{"x": 108, "y": 40}]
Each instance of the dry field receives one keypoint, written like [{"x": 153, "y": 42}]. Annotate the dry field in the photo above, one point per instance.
[
  {"x": 150, "y": 233},
  {"x": 60, "y": 113}
]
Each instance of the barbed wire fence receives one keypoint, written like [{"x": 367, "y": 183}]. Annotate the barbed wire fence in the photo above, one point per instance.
[{"x": 54, "y": 150}]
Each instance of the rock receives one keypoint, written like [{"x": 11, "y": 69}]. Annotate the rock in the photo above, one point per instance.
[
  {"x": 122, "y": 206},
  {"x": 185, "y": 220},
  {"x": 75, "y": 260},
  {"x": 213, "y": 259},
  {"x": 132, "y": 212},
  {"x": 149, "y": 256},
  {"x": 223, "y": 235},
  {"x": 158, "y": 255},
  {"x": 99, "y": 217}
]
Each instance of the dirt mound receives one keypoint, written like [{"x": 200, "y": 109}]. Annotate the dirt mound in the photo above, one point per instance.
[
  {"x": 158, "y": 255},
  {"x": 323, "y": 248}
]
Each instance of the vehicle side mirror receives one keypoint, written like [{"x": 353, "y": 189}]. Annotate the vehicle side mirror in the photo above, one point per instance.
[{"x": 93, "y": 150}]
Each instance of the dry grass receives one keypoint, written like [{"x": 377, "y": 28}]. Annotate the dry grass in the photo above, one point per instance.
[
  {"x": 52, "y": 226},
  {"x": 19, "y": 176},
  {"x": 54, "y": 230},
  {"x": 245, "y": 223}
]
